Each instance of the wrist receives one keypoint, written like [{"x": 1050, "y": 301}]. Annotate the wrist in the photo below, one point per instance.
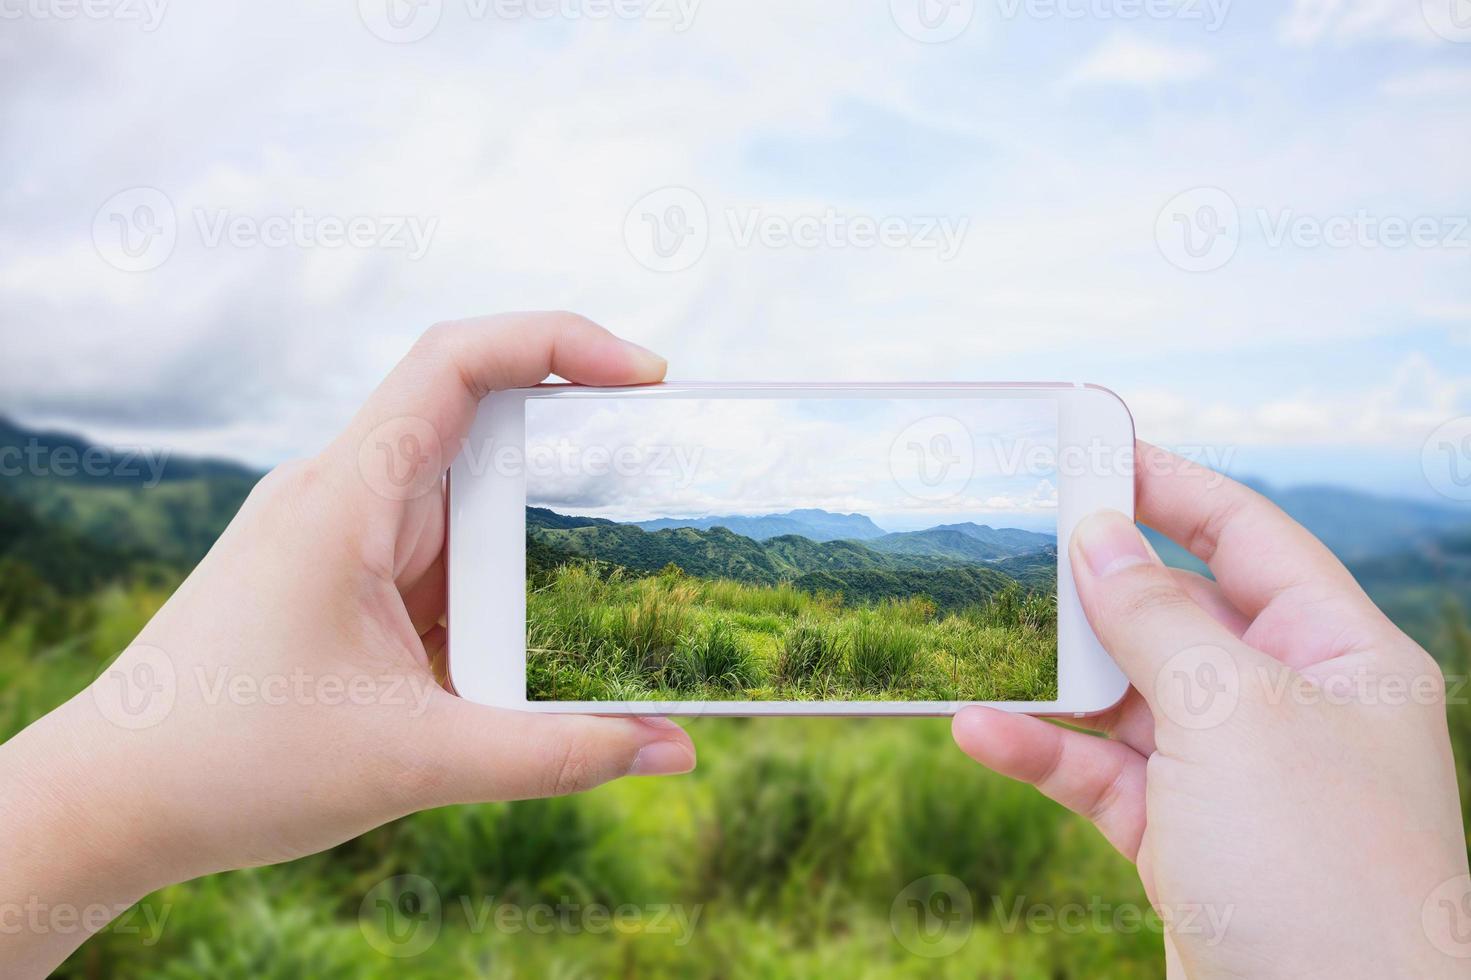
[{"x": 81, "y": 826}]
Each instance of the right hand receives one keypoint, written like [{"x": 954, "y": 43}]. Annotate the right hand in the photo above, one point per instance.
[{"x": 1281, "y": 770}]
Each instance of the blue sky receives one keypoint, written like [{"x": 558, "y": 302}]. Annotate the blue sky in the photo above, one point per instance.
[{"x": 1066, "y": 153}]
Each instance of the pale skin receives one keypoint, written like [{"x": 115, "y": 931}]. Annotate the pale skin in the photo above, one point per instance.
[
  {"x": 1323, "y": 828},
  {"x": 1312, "y": 808}
]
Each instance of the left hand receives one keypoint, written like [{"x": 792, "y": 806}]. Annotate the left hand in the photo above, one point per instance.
[{"x": 284, "y": 699}]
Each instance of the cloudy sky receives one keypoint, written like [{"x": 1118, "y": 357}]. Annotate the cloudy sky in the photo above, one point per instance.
[
  {"x": 905, "y": 464},
  {"x": 221, "y": 223}
]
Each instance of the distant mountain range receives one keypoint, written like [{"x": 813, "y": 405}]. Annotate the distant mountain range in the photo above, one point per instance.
[
  {"x": 953, "y": 567},
  {"x": 75, "y": 530},
  {"x": 1357, "y": 526},
  {"x": 810, "y": 523},
  {"x": 963, "y": 542}
]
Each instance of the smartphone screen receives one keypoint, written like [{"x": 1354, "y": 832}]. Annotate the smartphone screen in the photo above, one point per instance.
[{"x": 791, "y": 549}]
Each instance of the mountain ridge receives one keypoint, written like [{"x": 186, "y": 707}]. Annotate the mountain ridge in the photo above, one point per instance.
[{"x": 810, "y": 522}]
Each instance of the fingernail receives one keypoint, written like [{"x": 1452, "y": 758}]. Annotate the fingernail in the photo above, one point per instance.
[
  {"x": 659, "y": 721},
  {"x": 647, "y": 361},
  {"x": 1110, "y": 543},
  {"x": 662, "y": 759}
]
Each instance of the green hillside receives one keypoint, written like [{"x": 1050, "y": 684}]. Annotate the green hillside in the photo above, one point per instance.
[
  {"x": 791, "y": 840},
  {"x": 949, "y": 568}
]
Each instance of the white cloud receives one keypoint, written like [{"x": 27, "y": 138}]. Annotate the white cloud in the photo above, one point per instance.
[
  {"x": 635, "y": 459},
  {"x": 1410, "y": 401},
  {"x": 1431, "y": 83},
  {"x": 530, "y": 141},
  {"x": 1309, "y": 22},
  {"x": 1126, "y": 60}
]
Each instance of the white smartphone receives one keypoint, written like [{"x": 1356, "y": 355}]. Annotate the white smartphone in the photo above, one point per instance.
[{"x": 789, "y": 549}]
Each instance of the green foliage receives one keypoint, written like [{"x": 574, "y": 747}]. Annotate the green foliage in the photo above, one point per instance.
[
  {"x": 949, "y": 577},
  {"x": 787, "y": 847},
  {"x": 715, "y": 655},
  {"x": 781, "y": 833},
  {"x": 1013, "y": 606},
  {"x": 596, "y": 633},
  {"x": 647, "y": 632},
  {"x": 882, "y": 652},
  {"x": 811, "y": 653}
]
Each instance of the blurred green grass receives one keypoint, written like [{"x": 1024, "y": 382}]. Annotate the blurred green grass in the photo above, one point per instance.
[{"x": 786, "y": 851}]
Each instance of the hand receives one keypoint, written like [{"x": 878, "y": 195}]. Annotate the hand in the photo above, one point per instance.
[
  {"x": 1281, "y": 770},
  {"x": 284, "y": 700}
]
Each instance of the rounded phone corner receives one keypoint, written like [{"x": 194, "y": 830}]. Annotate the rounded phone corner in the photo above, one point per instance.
[{"x": 1118, "y": 700}]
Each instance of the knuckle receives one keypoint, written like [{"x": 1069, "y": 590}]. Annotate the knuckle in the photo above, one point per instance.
[
  {"x": 1428, "y": 678},
  {"x": 573, "y": 769},
  {"x": 573, "y": 319},
  {"x": 1149, "y": 598},
  {"x": 286, "y": 481},
  {"x": 438, "y": 341}
]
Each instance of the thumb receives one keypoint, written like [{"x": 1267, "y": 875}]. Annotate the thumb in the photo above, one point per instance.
[
  {"x": 483, "y": 754},
  {"x": 404, "y": 438},
  {"x": 1179, "y": 657}
]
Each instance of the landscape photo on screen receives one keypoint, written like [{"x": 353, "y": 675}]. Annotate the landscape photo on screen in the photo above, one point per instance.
[{"x": 791, "y": 549}]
